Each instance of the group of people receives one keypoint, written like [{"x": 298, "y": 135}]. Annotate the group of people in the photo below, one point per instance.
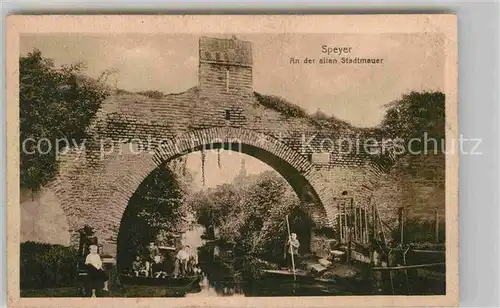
[
  {"x": 153, "y": 263},
  {"x": 186, "y": 263},
  {"x": 149, "y": 264}
]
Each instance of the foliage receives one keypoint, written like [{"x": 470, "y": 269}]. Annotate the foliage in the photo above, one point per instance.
[
  {"x": 279, "y": 104},
  {"x": 155, "y": 206},
  {"x": 250, "y": 214},
  {"x": 416, "y": 114},
  {"x": 289, "y": 110},
  {"x": 55, "y": 103},
  {"x": 152, "y": 94},
  {"x": 213, "y": 207},
  {"x": 47, "y": 266},
  {"x": 331, "y": 122}
]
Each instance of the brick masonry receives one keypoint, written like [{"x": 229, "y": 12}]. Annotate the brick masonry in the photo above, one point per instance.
[
  {"x": 416, "y": 184},
  {"x": 93, "y": 186}
]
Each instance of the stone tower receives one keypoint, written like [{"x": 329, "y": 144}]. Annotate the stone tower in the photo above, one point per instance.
[{"x": 225, "y": 69}]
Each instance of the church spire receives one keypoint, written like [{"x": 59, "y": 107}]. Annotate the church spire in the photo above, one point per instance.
[{"x": 243, "y": 169}]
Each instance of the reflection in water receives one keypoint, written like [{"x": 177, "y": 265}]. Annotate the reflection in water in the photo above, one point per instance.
[
  {"x": 208, "y": 291},
  {"x": 228, "y": 272},
  {"x": 211, "y": 284}
]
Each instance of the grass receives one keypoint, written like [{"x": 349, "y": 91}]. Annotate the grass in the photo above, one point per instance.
[
  {"x": 116, "y": 291},
  {"x": 51, "y": 292}
]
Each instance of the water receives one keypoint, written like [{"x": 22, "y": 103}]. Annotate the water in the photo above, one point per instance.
[
  {"x": 234, "y": 273},
  {"x": 262, "y": 288},
  {"x": 226, "y": 274},
  {"x": 207, "y": 290}
]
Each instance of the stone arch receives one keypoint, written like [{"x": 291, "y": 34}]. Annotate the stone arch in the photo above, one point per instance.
[
  {"x": 295, "y": 168},
  {"x": 96, "y": 191}
]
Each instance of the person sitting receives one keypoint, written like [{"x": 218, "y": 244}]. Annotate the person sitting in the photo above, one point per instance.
[
  {"x": 139, "y": 268},
  {"x": 157, "y": 268},
  {"x": 95, "y": 270}
]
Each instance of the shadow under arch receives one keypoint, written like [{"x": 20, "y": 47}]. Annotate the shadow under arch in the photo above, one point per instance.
[{"x": 295, "y": 178}]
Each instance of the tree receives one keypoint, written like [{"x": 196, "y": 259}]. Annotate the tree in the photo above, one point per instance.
[
  {"x": 413, "y": 124},
  {"x": 250, "y": 213},
  {"x": 413, "y": 116},
  {"x": 156, "y": 206},
  {"x": 56, "y": 104}
]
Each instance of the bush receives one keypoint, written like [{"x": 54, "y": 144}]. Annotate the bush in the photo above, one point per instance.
[
  {"x": 152, "y": 94},
  {"x": 47, "y": 266},
  {"x": 279, "y": 104}
]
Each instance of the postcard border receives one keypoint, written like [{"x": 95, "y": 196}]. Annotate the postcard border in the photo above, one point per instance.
[{"x": 205, "y": 24}]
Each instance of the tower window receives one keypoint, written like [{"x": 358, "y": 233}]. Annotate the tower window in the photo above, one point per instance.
[{"x": 228, "y": 115}]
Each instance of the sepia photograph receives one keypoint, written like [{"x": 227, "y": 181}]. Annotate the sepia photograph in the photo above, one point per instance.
[{"x": 224, "y": 163}]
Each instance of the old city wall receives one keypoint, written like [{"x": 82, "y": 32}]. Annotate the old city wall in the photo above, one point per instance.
[
  {"x": 95, "y": 184},
  {"x": 415, "y": 184}
]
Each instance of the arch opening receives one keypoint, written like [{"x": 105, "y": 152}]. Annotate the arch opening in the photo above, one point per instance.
[{"x": 295, "y": 179}]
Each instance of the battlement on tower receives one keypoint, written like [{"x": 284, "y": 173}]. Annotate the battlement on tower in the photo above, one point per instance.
[
  {"x": 225, "y": 51},
  {"x": 225, "y": 67}
]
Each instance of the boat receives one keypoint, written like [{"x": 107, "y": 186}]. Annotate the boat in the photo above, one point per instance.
[
  {"x": 166, "y": 248},
  {"x": 168, "y": 281},
  {"x": 288, "y": 275}
]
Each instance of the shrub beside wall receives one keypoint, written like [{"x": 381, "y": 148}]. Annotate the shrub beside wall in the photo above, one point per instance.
[{"x": 47, "y": 265}]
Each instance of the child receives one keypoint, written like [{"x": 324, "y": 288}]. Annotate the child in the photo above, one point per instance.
[
  {"x": 138, "y": 267},
  {"x": 294, "y": 243},
  {"x": 157, "y": 268},
  {"x": 96, "y": 273}
]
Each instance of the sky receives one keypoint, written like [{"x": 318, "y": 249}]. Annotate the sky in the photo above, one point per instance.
[
  {"x": 230, "y": 167},
  {"x": 354, "y": 93}
]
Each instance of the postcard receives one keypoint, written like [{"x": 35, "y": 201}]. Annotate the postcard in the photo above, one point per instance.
[{"x": 250, "y": 160}]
